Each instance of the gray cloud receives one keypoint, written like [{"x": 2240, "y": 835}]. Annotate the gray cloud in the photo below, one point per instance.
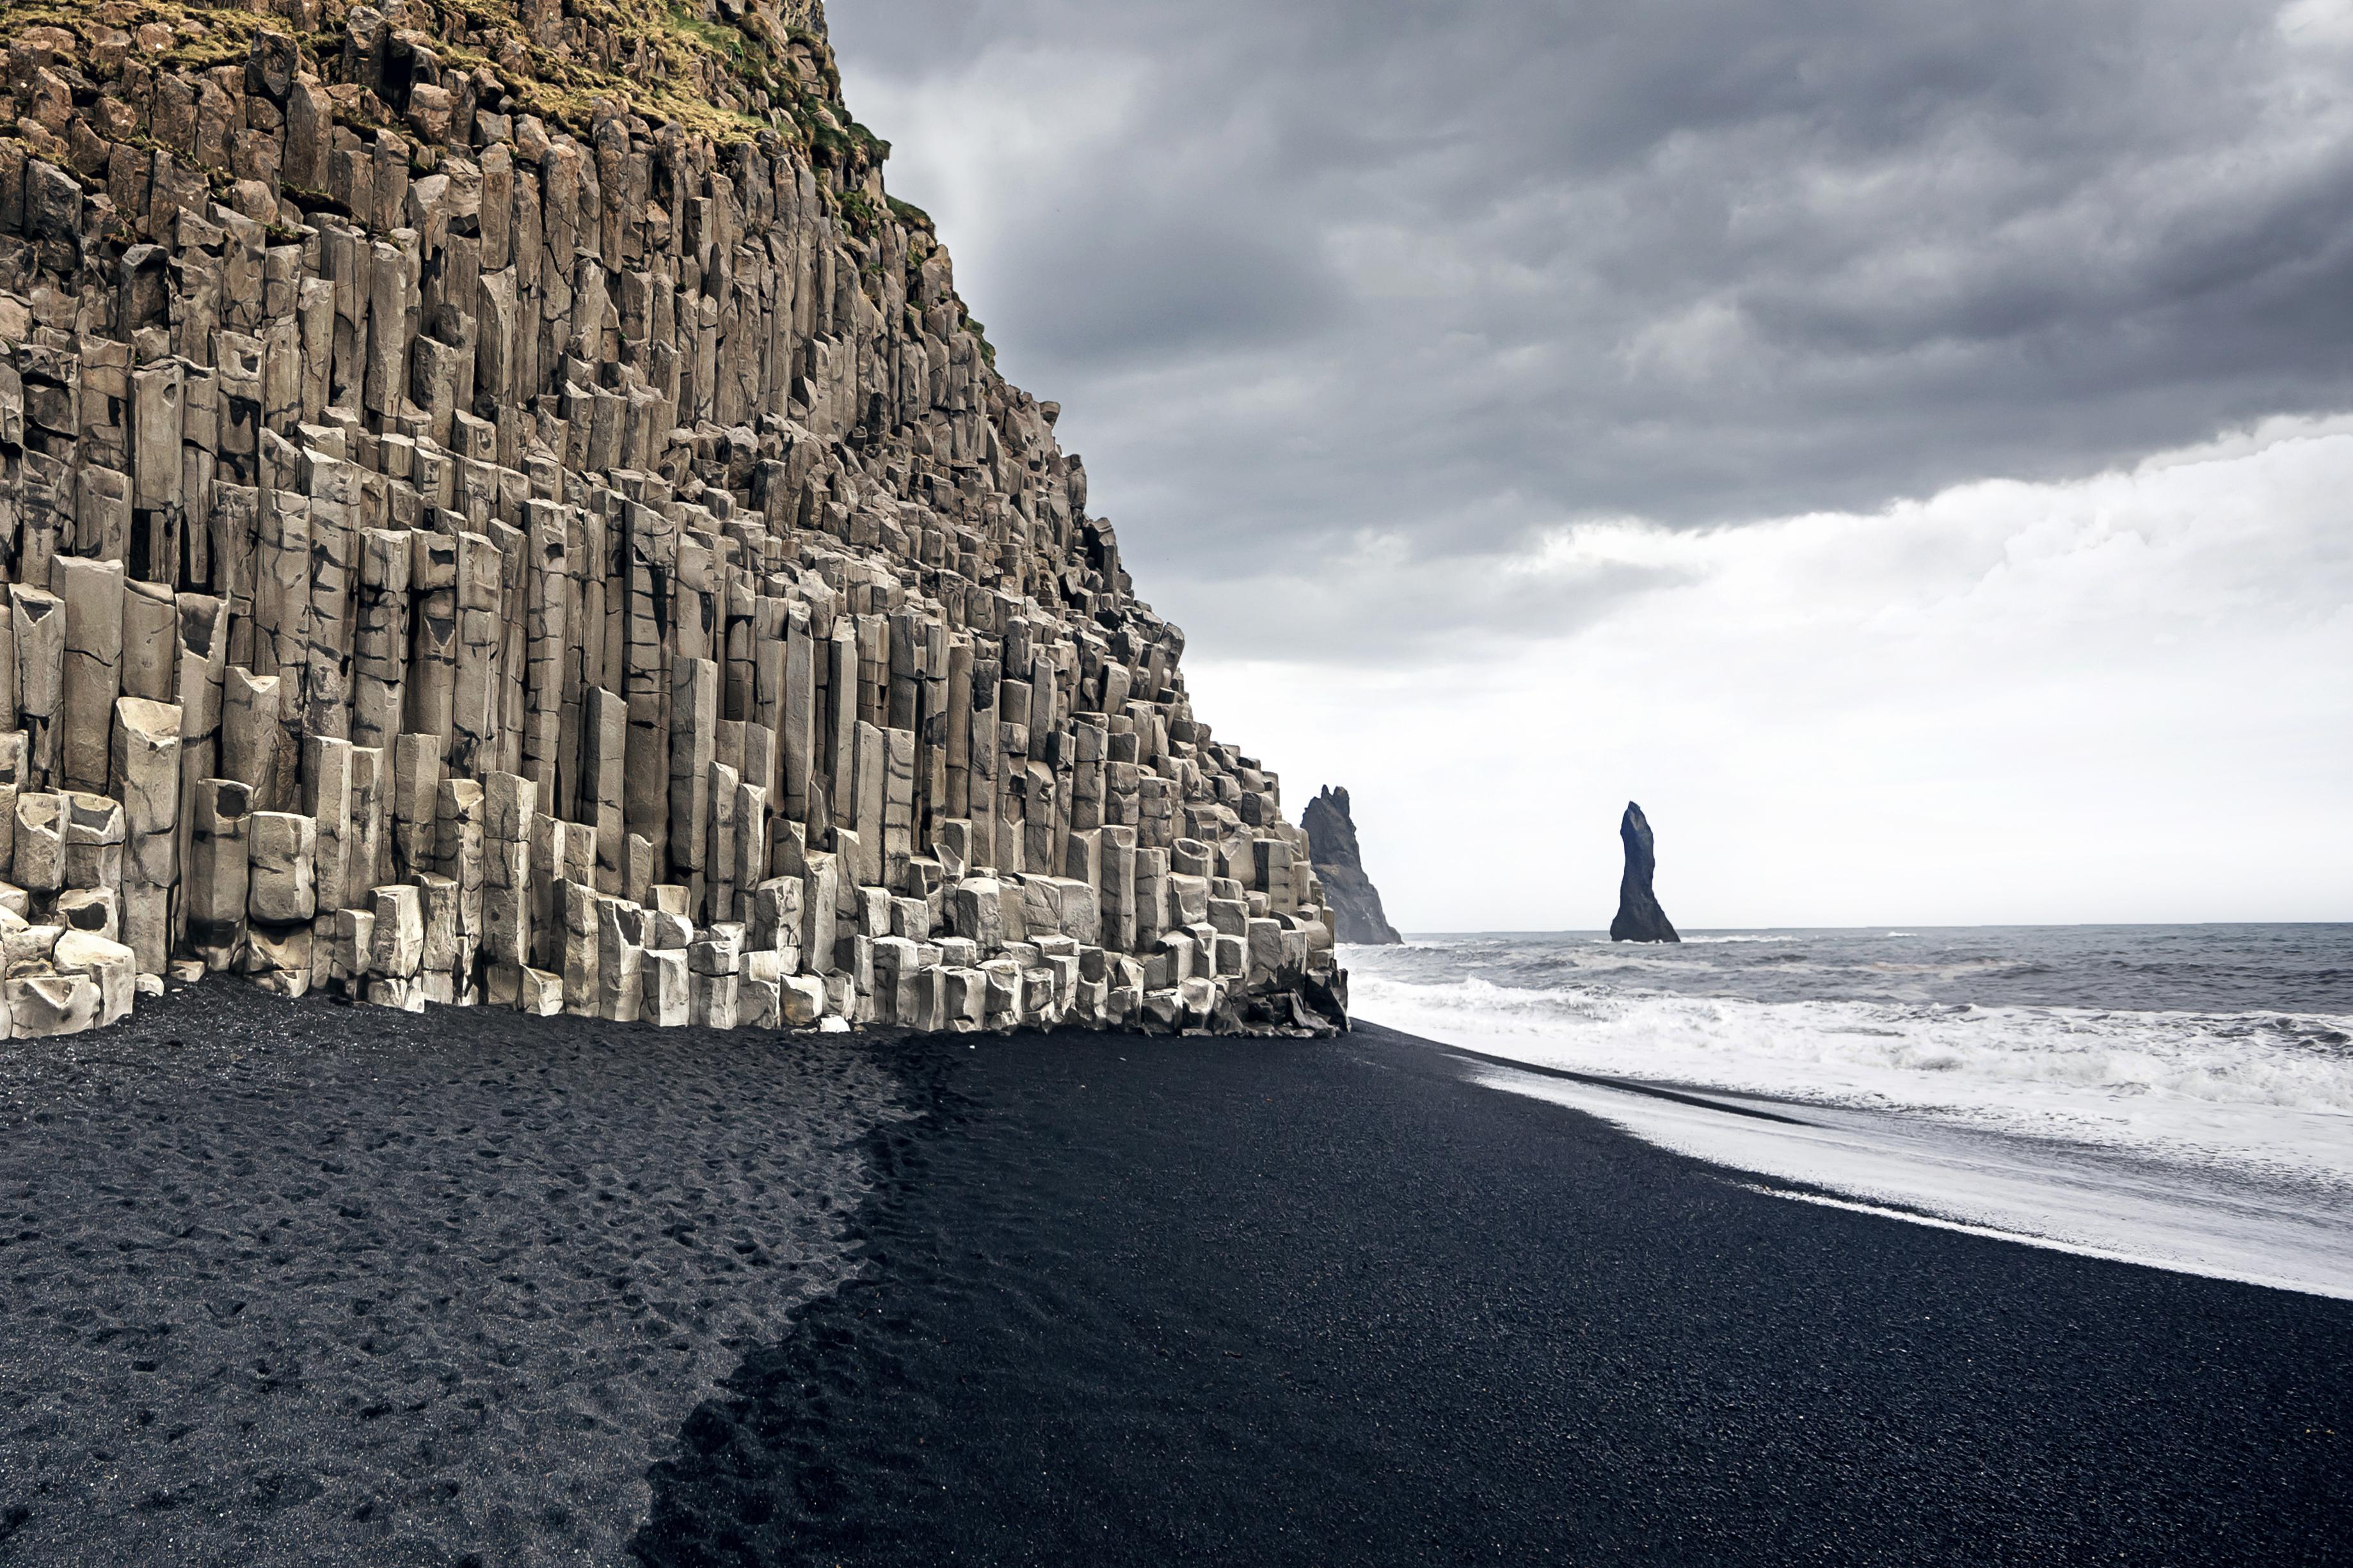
[
  {"x": 1305, "y": 272},
  {"x": 1201, "y": 286}
]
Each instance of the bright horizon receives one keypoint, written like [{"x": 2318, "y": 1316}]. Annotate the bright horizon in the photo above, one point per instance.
[
  {"x": 1891, "y": 928},
  {"x": 1988, "y": 707}
]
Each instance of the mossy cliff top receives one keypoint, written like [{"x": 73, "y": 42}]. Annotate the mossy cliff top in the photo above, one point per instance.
[
  {"x": 212, "y": 85},
  {"x": 728, "y": 69}
]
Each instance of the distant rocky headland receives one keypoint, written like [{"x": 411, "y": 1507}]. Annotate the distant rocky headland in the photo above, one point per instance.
[
  {"x": 1354, "y": 903},
  {"x": 499, "y": 505},
  {"x": 1640, "y": 918}
]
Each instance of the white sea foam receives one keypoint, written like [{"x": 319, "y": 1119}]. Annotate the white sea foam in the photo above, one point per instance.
[
  {"x": 2104, "y": 1090},
  {"x": 2269, "y": 1091},
  {"x": 2196, "y": 1219}
]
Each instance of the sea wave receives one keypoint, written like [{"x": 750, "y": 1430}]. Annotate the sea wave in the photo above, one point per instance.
[{"x": 2257, "y": 1087}]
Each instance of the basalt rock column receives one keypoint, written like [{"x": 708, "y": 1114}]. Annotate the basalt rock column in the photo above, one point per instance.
[
  {"x": 536, "y": 525},
  {"x": 1640, "y": 918}
]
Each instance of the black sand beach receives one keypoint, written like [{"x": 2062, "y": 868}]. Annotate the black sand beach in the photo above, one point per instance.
[{"x": 327, "y": 1285}]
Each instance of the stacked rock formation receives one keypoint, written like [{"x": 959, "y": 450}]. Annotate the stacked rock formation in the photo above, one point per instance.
[
  {"x": 501, "y": 507},
  {"x": 1356, "y": 903}
]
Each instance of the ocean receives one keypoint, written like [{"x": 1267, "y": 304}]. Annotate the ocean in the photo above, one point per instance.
[{"x": 2181, "y": 1096}]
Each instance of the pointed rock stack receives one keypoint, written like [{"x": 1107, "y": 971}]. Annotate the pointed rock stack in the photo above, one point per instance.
[
  {"x": 1332, "y": 842},
  {"x": 1639, "y": 917},
  {"x": 471, "y": 539}
]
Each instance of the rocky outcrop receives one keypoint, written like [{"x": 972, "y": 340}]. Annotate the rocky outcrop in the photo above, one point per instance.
[
  {"x": 499, "y": 506},
  {"x": 1640, "y": 918},
  {"x": 1354, "y": 903}
]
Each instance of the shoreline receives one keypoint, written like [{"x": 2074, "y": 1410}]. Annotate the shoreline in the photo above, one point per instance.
[{"x": 2242, "y": 1224}]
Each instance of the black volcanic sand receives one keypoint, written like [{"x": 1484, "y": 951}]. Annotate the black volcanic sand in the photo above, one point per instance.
[
  {"x": 1240, "y": 1302},
  {"x": 288, "y": 1282}
]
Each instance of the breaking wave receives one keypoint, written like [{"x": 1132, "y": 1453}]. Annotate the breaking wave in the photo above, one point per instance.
[{"x": 1960, "y": 1032}]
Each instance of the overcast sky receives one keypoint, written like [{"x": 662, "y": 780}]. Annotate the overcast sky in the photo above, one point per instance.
[{"x": 1896, "y": 443}]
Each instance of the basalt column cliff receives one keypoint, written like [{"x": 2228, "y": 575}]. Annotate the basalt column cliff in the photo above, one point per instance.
[{"x": 497, "y": 505}]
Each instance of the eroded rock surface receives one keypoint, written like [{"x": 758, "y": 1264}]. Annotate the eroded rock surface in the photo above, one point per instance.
[
  {"x": 1640, "y": 918},
  {"x": 1354, "y": 903}
]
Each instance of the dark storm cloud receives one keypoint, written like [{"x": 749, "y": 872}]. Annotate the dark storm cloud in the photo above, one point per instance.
[
  {"x": 1188, "y": 284},
  {"x": 1305, "y": 272}
]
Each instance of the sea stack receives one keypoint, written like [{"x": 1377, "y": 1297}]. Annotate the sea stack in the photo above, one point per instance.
[
  {"x": 538, "y": 528},
  {"x": 1640, "y": 918},
  {"x": 1349, "y": 893}
]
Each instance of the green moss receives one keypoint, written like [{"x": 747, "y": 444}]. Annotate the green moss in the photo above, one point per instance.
[
  {"x": 226, "y": 39},
  {"x": 913, "y": 216},
  {"x": 687, "y": 50},
  {"x": 742, "y": 47},
  {"x": 980, "y": 336},
  {"x": 858, "y": 210},
  {"x": 872, "y": 147},
  {"x": 710, "y": 35}
]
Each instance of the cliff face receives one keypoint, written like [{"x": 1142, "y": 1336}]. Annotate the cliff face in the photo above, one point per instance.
[
  {"x": 1640, "y": 918},
  {"x": 497, "y": 504},
  {"x": 1354, "y": 903}
]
